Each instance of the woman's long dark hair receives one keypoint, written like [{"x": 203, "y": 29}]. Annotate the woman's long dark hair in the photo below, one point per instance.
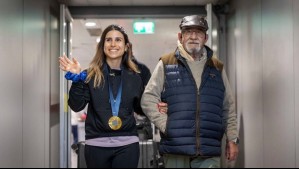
[{"x": 96, "y": 65}]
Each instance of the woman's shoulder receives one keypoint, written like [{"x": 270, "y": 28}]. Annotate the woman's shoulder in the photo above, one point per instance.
[{"x": 132, "y": 75}]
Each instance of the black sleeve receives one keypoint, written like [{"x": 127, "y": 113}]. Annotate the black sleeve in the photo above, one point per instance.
[
  {"x": 146, "y": 75},
  {"x": 79, "y": 96},
  {"x": 137, "y": 102}
]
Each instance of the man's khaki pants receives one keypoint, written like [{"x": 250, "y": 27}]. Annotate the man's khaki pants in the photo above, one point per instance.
[{"x": 179, "y": 161}]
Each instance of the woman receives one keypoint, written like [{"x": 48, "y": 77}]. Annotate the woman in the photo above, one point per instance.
[{"x": 112, "y": 88}]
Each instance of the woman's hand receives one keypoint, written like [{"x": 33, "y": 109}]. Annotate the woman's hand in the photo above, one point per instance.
[
  {"x": 69, "y": 66},
  {"x": 163, "y": 107}
]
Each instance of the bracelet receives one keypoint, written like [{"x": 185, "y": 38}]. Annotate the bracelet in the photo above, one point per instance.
[{"x": 76, "y": 77}]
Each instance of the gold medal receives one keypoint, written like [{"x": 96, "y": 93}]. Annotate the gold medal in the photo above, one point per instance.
[{"x": 115, "y": 123}]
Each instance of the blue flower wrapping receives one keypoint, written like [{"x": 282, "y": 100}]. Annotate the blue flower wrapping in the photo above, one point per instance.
[{"x": 76, "y": 77}]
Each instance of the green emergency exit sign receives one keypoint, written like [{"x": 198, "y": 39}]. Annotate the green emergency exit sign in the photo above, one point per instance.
[{"x": 143, "y": 27}]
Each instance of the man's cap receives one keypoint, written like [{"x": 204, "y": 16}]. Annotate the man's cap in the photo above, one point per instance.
[{"x": 194, "y": 21}]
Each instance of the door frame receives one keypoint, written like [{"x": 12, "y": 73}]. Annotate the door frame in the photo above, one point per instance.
[{"x": 65, "y": 115}]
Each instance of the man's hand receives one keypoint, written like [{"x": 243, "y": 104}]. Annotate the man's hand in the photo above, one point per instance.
[
  {"x": 232, "y": 151},
  {"x": 163, "y": 107}
]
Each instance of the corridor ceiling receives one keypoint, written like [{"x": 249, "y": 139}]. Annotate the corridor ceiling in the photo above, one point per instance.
[
  {"x": 124, "y": 12},
  {"x": 139, "y": 2}
]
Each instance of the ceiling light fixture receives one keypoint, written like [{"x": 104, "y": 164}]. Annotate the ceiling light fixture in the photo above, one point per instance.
[{"x": 90, "y": 24}]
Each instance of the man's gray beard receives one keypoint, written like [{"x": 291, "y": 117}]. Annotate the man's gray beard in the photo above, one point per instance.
[{"x": 195, "y": 51}]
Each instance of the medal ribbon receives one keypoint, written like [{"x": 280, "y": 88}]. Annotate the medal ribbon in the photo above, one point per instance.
[{"x": 115, "y": 103}]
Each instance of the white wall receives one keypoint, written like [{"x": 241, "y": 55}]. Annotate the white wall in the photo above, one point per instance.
[
  {"x": 296, "y": 75},
  {"x": 54, "y": 90},
  {"x": 11, "y": 83},
  {"x": 25, "y": 83},
  {"x": 147, "y": 48},
  {"x": 262, "y": 56}
]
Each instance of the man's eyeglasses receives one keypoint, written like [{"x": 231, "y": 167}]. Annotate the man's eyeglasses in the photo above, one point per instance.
[{"x": 190, "y": 32}]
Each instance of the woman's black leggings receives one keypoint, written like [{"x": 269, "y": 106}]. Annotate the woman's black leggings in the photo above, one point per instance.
[{"x": 112, "y": 157}]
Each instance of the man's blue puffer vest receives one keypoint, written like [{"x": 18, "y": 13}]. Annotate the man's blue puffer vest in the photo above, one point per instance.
[{"x": 195, "y": 117}]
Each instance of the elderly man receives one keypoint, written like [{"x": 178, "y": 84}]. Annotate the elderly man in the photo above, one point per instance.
[{"x": 201, "y": 108}]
